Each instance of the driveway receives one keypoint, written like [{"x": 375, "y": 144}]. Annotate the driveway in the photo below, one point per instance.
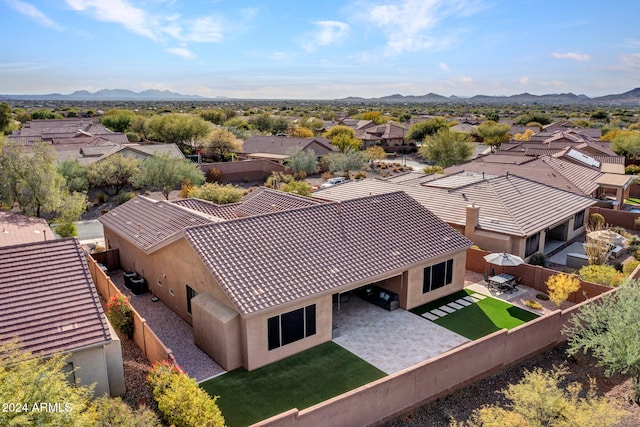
[{"x": 390, "y": 340}]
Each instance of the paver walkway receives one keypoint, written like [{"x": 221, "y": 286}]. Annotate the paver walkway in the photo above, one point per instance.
[{"x": 390, "y": 340}]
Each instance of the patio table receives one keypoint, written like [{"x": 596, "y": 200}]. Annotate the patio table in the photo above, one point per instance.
[{"x": 501, "y": 279}]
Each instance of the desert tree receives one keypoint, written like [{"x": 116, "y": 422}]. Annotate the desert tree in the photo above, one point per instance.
[
  {"x": 492, "y": 133},
  {"x": 182, "y": 129},
  {"x": 419, "y": 131},
  {"x": 113, "y": 173},
  {"x": 302, "y": 162},
  {"x": 217, "y": 193},
  {"x": 345, "y": 162},
  {"x": 220, "y": 142},
  {"x": 446, "y": 148},
  {"x": 561, "y": 286},
  {"x": 165, "y": 173},
  {"x": 608, "y": 330}
]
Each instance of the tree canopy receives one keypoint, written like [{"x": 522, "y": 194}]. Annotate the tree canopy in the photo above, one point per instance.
[
  {"x": 346, "y": 162},
  {"x": 166, "y": 173},
  {"x": 627, "y": 144},
  {"x": 538, "y": 400},
  {"x": 420, "y": 130},
  {"x": 492, "y": 133},
  {"x": 181, "y": 129},
  {"x": 220, "y": 142},
  {"x": 302, "y": 162},
  {"x": 609, "y": 331},
  {"x": 217, "y": 193},
  {"x": 113, "y": 173},
  {"x": 447, "y": 148}
]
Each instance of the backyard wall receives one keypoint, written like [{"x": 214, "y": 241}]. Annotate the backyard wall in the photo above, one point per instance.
[
  {"x": 244, "y": 170},
  {"x": 533, "y": 276},
  {"x": 616, "y": 218},
  {"x": 433, "y": 378},
  {"x": 143, "y": 336}
]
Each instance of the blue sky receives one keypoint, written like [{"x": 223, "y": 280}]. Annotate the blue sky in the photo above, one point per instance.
[{"x": 320, "y": 50}]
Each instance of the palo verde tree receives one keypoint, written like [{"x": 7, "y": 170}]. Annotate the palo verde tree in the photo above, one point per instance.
[
  {"x": 609, "y": 331},
  {"x": 302, "y": 162},
  {"x": 166, "y": 173},
  {"x": 420, "y": 130},
  {"x": 217, "y": 193},
  {"x": 113, "y": 173},
  {"x": 492, "y": 133},
  {"x": 446, "y": 147},
  {"x": 220, "y": 142},
  {"x": 343, "y": 137},
  {"x": 183, "y": 129},
  {"x": 346, "y": 162},
  {"x": 539, "y": 400},
  {"x": 561, "y": 286}
]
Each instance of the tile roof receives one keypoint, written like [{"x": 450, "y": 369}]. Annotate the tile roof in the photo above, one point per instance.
[
  {"x": 226, "y": 212},
  {"x": 47, "y": 297},
  {"x": 281, "y": 145},
  {"x": 509, "y": 204},
  {"x": 269, "y": 260},
  {"x": 18, "y": 229},
  {"x": 148, "y": 223},
  {"x": 265, "y": 200}
]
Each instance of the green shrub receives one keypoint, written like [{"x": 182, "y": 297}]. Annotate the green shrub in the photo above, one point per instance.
[
  {"x": 602, "y": 274},
  {"x": 628, "y": 267},
  {"x": 114, "y": 412},
  {"x": 596, "y": 221},
  {"x": 359, "y": 175},
  {"x": 67, "y": 229},
  {"x": 216, "y": 193},
  {"x": 101, "y": 198},
  {"x": 533, "y": 304},
  {"x": 120, "y": 314},
  {"x": 180, "y": 400},
  {"x": 429, "y": 170},
  {"x": 125, "y": 197},
  {"x": 539, "y": 259},
  {"x": 632, "y": 170},
  {"x": 543, "y": 297}
]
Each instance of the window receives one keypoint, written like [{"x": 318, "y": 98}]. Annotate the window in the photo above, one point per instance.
[
  {"x": 291, "y": 326},
  {"x": 437, "y": 276},
  {"x": 532, "y": 245},
  {"x": 190, "y": 294},
  {"x": 578, "y": 220}
]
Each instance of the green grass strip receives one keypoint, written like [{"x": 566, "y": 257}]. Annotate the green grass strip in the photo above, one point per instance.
[
  {"x": 479, "y": 319},
  {"x": 633, "y": 200},
  {"x": 299, "y": 381}
]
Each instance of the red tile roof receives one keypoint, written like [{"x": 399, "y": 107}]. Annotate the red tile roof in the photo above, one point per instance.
[
  {"x": 47, "y": 297},
  {"x": 16, "y": 229},
  {"x": 265, "y": 200},
  {"x": 268, "y": 260}
]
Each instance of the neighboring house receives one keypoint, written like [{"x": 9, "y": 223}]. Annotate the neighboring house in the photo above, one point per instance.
[
  {"x": 18, "y": 229},
  {"x": 49, "y": 302},
  {"x": 499, "y": 213},
  {"x": 386, "y": 135},
  {"x": 260, "y": 288},
  {"x": 61, "y": 131},
  {"x": 278, "y": 148}
]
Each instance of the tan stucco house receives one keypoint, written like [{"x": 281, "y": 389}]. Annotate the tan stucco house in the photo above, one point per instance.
[
  {"x": 505, "y": 213},
  {"x": 258, "y": 280},
  {"x": 49, "y": 303}
]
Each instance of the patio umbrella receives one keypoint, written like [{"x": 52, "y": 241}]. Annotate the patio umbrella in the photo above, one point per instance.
[
  {"x": 608, "y": 236},
  {"x": 503, "y": 259}
]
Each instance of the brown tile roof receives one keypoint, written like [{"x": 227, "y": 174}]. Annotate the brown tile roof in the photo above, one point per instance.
[
  {"x": 508, "y": 204},
  {"x": 265, "y": 200},
  {"x": 149, "y": 223},
  {"x": 268, "y": 260},
  {"x": 225, "y": 212},
  {"x": 47, "y": 297},
  {"x": 16, "y": 229},
  {"x": 282, "y": 144}
]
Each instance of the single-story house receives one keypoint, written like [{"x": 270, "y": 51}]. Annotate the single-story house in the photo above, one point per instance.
[
  {"x": 279, "y": 148},
  {"x": 387, "y": 135},
  {"x": 49, "y": 303},
  {"x": 505, "y": 213},
  {"x": 18, "y": 229},
  {"x": 257, "y": 281}
]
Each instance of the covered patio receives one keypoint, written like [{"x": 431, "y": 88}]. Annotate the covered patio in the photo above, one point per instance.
[{"x": 390, "y": 340}]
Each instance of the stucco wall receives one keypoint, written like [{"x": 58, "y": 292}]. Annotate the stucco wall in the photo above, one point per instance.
[
  {"x": 91, "y": 367},
  {"x": 256, "y": 352},
  {"x": 115, "y": 368}
]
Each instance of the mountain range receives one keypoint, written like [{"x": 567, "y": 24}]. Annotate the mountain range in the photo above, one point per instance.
[{"x": 631, "y": 97}]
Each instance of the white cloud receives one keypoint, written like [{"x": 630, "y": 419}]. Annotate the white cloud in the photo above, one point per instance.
[
  {"x": 327, "y": 33},
  {"x": 574, "y": 56},
  {"x": 410, "y": 25},
  {"x": 34, "y": 13},
  {"x": 462, "y": 80},
  {"x": 630, "y": 61},
  {"x": 524, "y": 81},
  {"x": 119, "y": 11},
  {"x": 181, "y": 51},
  {"x": 443, "y": 66}
]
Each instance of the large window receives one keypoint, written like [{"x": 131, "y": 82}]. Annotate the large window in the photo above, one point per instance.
[
  {"x": 437, "y": 276},
  {"x": 578, "y": 220},
  {"x": 532, "y": 245},
  {"x": 292, "y": 326},
  {"x": 190, "y": 294}
]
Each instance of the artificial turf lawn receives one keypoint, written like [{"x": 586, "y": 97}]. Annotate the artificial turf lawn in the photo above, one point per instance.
[
  {"x": 633, "y": 200},
  {"x": 299, "y": 381},
  {"x": 479, "y": 319}
]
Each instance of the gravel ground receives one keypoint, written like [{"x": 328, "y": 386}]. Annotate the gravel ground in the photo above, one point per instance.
[
  {"x": 460, "y": 404},
  {"x": 174, "y": 332}
]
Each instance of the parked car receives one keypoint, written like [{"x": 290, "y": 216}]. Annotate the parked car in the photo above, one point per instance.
[{"x": 334, "y": 181}]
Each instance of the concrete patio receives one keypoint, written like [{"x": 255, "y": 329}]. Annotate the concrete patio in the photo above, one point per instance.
[{"x": 390, "y": 340}]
